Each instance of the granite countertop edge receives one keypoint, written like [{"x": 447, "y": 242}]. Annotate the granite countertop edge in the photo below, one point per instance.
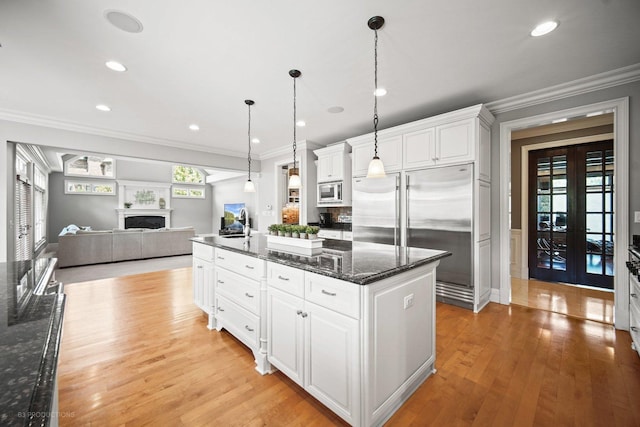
[
  {"x": 44, "y": 389},
  {"x": 362, "y": 280}
]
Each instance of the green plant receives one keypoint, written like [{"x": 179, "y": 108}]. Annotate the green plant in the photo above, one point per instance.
[
  {"x": 127, "y": 204},
  {"x": 287, "y": 229},
  {"x": 313, "y": 229},
  {"x": 273, "y": 228}
]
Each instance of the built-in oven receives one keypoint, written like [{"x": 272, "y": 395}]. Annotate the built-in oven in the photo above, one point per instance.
[{"x": 330, "y": 192}]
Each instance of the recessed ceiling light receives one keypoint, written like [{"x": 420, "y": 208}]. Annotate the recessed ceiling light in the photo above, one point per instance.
[
  {"x": 103, "y": 107},
  {"x": 335, "y": 109},
  {"x": 194, "y": 127},
  {"x": 544, "y": 28},
  {"x": 301, "y": 123},
  {"x": 115, "y": 66},
  {"x": 255, "y": 141},
  {"x": 123, "y": 21},
  {"x": 380, "y": 91}
]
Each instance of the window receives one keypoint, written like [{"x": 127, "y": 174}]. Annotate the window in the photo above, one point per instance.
[
  {"x": 86, "y": 187},
  {"x": 90, "y": 166},
  {"x": 187, "y": 175},
  {"x": 22, "y": 210},
  {"x": 191, "y": 182},
  {"x": 40, "y": 206},
  {"x": 186, "y": 192}
]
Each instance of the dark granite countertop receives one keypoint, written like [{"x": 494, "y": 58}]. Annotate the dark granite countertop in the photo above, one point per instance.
[
  {"x": 358, "y": 262},
  {"x": 30, "y": 331}
]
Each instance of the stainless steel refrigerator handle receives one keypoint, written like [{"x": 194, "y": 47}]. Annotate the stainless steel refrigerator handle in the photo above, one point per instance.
[
  {"x": 406, "y": 202},
  {"x": 396, "y": 234}
]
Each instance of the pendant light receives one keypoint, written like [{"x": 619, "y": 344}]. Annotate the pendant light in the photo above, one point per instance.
[
  {"x": 376, "y": 168},
  {"x": 294, "y": 177},
  {"x": 249, "y": 187}
]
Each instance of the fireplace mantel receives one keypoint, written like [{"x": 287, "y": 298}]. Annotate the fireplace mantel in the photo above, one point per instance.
[{"x": 128, "y": 192}]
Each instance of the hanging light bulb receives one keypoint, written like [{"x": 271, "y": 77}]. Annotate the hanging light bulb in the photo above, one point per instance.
[
  {"x": 249, "y": 187},
  {"x": 294, "y": 177},
  {"x": 376, "y": 168}
]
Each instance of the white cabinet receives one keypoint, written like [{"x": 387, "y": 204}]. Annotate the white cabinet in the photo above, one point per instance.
[
  {"x": 634, "y": 311},
  {"x": 334, "y": 165},
  {"x": 418, "y": 149},
  {"x": 312, "y": 341},
  {"x": 203, "y": 282},
  {"x": 455, "y": 142}
]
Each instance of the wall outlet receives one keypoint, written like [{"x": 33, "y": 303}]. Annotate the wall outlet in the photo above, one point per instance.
[
  {"x": 636, "y": 216},
  {"x": 408, "y": 301}
]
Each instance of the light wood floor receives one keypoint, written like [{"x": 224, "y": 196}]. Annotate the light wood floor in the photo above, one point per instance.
[
  {"x": 136, "y": 351},
  {"x": 574, "y": 301}
]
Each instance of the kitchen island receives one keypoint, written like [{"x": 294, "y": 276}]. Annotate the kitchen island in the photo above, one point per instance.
[
  {"x": 354, "y": 324},
  {"x": 31, "y": 312}
]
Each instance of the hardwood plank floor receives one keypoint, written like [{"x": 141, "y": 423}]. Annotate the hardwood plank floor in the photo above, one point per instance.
[
  {"x": 574, "y": 301},
  {"x": 136, "y": 351}
]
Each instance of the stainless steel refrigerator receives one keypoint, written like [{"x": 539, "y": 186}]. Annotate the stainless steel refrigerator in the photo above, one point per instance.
[{"x": 435, "y": 208}]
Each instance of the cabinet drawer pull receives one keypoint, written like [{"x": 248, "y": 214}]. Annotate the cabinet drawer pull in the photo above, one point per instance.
[
  {"x": 634, "y": 296},
  {"x": 305, "y": 314},
  {"x": 248, "y": 328},
  {"x": 283, "y": 278},
  {"x": 200, "y": 266},
  {"x": 248, "y": 295},
  {"x": 249, "y": 267},
  {"x": 331, "y": 294},
  {"x": 634, "y": 329},
  {"x": 299, "y": 312},
  {"x": 219, "y": 257},
  {"x": 221, "y": 282},
  {"x": 220, "y": 309}
]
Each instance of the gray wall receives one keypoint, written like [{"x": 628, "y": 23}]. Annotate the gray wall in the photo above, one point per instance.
[
  {"x": 232, "y": 191},
  {"x": 631, "y": 90},
  {"x": 99, "y": 211}
]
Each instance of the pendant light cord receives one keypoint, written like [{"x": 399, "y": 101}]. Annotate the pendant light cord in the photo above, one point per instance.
[
  {"x": 294, "y": 123},
  {"x": 249, "y": 141},
  {"x": 375, "y": 96}
]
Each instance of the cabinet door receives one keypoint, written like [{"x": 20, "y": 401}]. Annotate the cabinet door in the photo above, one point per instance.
[
  {"x": 454, "y": 142},
  {"x": 361, "y": 155},
  {"x": 198, "y": 281},
  {"x": 202, "y": 277},
  {"x": 418, "y": 148},
  {"x": 331, "y": 167},
  {"x": 285, "y": 333},
  {"x": 390, "y": 152},
  {"x": 332, "y": 360}
]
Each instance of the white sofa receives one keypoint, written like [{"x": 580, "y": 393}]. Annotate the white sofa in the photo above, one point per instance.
[{"x": 102, "y": 246}]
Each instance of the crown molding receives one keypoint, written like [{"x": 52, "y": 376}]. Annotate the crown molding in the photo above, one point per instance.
[
  {"x": 282, "y": 151},
  {"x": 50, "y": 122},
  {"x": 600, "y": 81}
]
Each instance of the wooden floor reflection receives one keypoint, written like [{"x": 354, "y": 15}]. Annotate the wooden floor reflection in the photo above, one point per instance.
[{"x": 574, "y": 301}]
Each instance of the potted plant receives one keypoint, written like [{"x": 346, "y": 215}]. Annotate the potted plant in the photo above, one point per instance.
[
  {"x": 127, "y": 205},
  {"x": 287, "y": 230},
  {"x": 295, "y": 231},
  {"x": 280, "y": 228},
  {"x": 273, "y": 229},
  {"x": 312, "y": 232},
  {"x": 303, "y": 231}
]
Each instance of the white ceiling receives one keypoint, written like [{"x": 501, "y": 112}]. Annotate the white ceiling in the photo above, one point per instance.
[{"x": 197, "y": 61}]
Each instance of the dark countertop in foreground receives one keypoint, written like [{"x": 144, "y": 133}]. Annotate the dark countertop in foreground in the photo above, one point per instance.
[
  {"x": 30, "y": 332},
  {"x": 357, "y": 262}
]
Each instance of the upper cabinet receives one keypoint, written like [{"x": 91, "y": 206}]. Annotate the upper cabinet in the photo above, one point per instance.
[
  {"x": 462, "y": 136},
  {"x": 333, "y": 163}
]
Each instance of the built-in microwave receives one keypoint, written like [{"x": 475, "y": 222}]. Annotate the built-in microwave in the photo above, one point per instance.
[{"x": 330, "y": 192}]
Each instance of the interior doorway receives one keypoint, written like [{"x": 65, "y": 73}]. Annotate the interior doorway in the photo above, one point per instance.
[
  {"x": 511, "y": 247},
  {"x": 571, "y": 194}
]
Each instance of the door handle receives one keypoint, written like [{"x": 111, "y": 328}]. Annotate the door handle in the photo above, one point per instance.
[
  {"x": 248, "y": 328},
  {"x": 248, "y": 295},
  {"x": 331, "y": 294},
  {"x": 283, "y": 278}
]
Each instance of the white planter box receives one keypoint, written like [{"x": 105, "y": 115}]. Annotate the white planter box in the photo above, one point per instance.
[{"x": 293, "y": 245}]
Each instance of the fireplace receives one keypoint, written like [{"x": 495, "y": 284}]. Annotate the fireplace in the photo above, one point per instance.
[
  {"x": 144, "y": 221},
  {"x": 125, "y": 214}
]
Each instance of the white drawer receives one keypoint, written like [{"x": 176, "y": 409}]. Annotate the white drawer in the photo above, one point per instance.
[
  {"x": 330, "y": 234},
  {"x": 239, "y": 289},
  {"x": 238, "y": 321},
  {"x": 287, "y": 279},
  {"x": 203, "y": 251},
  {"x": 334, "y": 294},
  {"x": 242, "y": 264},
  {"x": 347, "y": 235},
  {"x": 634, "y": 293}
]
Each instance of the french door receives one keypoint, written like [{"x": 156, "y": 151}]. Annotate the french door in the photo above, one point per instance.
[{"x": 571, "y": 218}]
